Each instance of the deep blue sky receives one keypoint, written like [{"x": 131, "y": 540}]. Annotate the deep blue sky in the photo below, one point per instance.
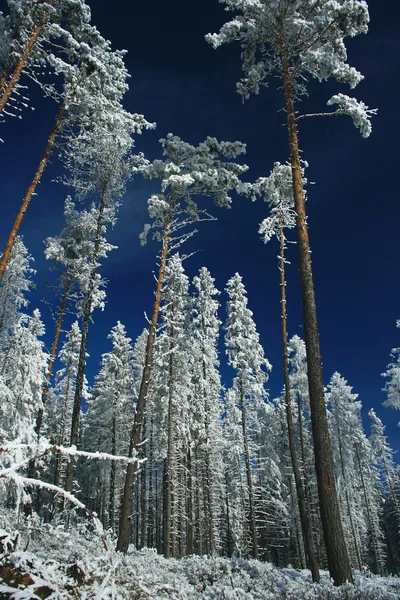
[{"x": 188, "y": 88}]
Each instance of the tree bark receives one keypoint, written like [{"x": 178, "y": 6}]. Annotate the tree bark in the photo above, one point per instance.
[
  {"x": 126, "y": 503},
  {"x": 252, "y": 516},
  {"x": 305, "y": 521},
  {"x": 69, "y": 479},
  {"x": 22, "y": 61},
  {"x": 338, "y": 558},
  {"x": 31, "y": 190}
]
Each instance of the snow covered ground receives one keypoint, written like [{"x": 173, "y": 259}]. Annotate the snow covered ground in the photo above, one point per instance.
[{"x": 66, "y": 565}]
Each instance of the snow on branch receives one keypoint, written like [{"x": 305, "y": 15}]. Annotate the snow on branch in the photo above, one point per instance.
[
  {"x": 70, "y": 451},
  {"x": 23, "y": 482},
  {"x": 356, "y": 109}
]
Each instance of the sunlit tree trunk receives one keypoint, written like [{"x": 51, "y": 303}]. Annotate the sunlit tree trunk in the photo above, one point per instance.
[
  {"x": 126, "y": 503},
  {"x": 305, "y": 520},
  {"x": 31, "y": 190},
  {"x": 10, "y": 86},
  {"x": 337, "y": 554}
]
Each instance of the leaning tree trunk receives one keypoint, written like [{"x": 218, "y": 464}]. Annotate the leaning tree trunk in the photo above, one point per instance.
[
  {"x": 69, "y": 478},
  {"x": 336, "y": 550},
  {"x": 305, "y": 520},
  {"x": 10, "y": 87},
  {"x": 126, "y": 503},
  {"x": 252, "y": 515},
  {"x": 31, "y": 190}
]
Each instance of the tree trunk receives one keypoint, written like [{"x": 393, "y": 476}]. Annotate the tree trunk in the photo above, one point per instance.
[
  {"x": 252, "y": 516},
  {"x": 126, "y": 503},
  {"x": 189, "y": 505},
  {"x": 111, "y": 502},
  {"x": 347, "y": 496},
  {"x": 31, "y": 190},
  {"x": 169, "y": 482},
  {"x": 377, "y": 558},
  {"x": 22, "y": 61},
  {"x": 306, "y": 527},
  {"x": 39, "y": 417},
  {"x": 338, "y": 558},
  {"x": 69, "y": 479},
  {"x": 143, "y": 480}
]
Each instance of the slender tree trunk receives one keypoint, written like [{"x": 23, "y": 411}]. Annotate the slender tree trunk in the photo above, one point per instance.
[
  {"x": 228, "y": 519},
  {"x": 377, "y": 558},
  {"x": 126, "y": 503},
  {"x": 169, "y": 482},
  {"x": 347, "y": 496},
  {"x": 199, "y": 530},
  {"x": 22, "y": 62},
  {"x": 150, "y": 467},
  {"x": 143, "y": 480},
  {"x": 190, "y": 504},
  {"x": 69, "y": 479},
  {"x": 111, "y": 501},
  {"x": 306, "y": 527},
  {"x": 252, "y": 516},
  {"x": 31, "y": 190},
  {"x": 338, "y": 558},
  {"x": 53, "y": 352}
]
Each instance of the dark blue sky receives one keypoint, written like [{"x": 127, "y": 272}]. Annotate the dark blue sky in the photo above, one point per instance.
[{"x": 188, "y": 88}]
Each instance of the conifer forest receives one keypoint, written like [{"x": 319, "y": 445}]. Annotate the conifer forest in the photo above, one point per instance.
[{"x": 173, "y": 422}]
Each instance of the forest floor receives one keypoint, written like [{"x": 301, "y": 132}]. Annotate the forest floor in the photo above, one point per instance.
[{"x": 50, "y": 562}]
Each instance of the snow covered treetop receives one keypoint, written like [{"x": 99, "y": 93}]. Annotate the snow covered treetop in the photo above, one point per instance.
[
  {"x": 206, "y": 169},
  {"x": 308, "y": 33}
]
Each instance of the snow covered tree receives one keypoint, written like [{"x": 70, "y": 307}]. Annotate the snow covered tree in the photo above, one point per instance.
[
  {"x": 346, "y": 424},
  {"x": 296, "y": 41},
  {"x": 58, "y": 409},
  {"x": 109, "y": 410},
  {"x": 21, "y": 379},
  {"x": 15, "y": 284},
  {"x": 90, "y": 105},
  {"x": 207, "y": 407},
  {"x": 246, "y": 357},
  {"x": 277, "y": 190},
  {"x": 392, "y": 374},
  {"x": 186, "y": 174},
  {"x": 383, "y": 459}
]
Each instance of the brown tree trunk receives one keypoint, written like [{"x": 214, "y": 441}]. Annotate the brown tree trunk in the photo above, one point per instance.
[
  {"x": 336, "y": 550},
  {"x": 126, "y": 503},
  {"x": 69, "y": 479},
  {"x": 22, "y": 61},
  {"x": 252, "y": 516},
  {"x": 31, "y": 190},
  {"x": 306, "y": 527}
]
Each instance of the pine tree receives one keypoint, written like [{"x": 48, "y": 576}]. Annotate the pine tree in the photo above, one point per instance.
[
  {"x": 277, "y": 190},
  {"x": 206, "y": 411},
  {"x": 296, "y": 41},
  {"x": 346, "y": 422},
  {"x": 21, "y": 378},
  {"x": 187, "y": 173},
  {"x": 109, "y": 410},
  {"x": 15, "y": 284},
  {"x": 246, "y": 356}
]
